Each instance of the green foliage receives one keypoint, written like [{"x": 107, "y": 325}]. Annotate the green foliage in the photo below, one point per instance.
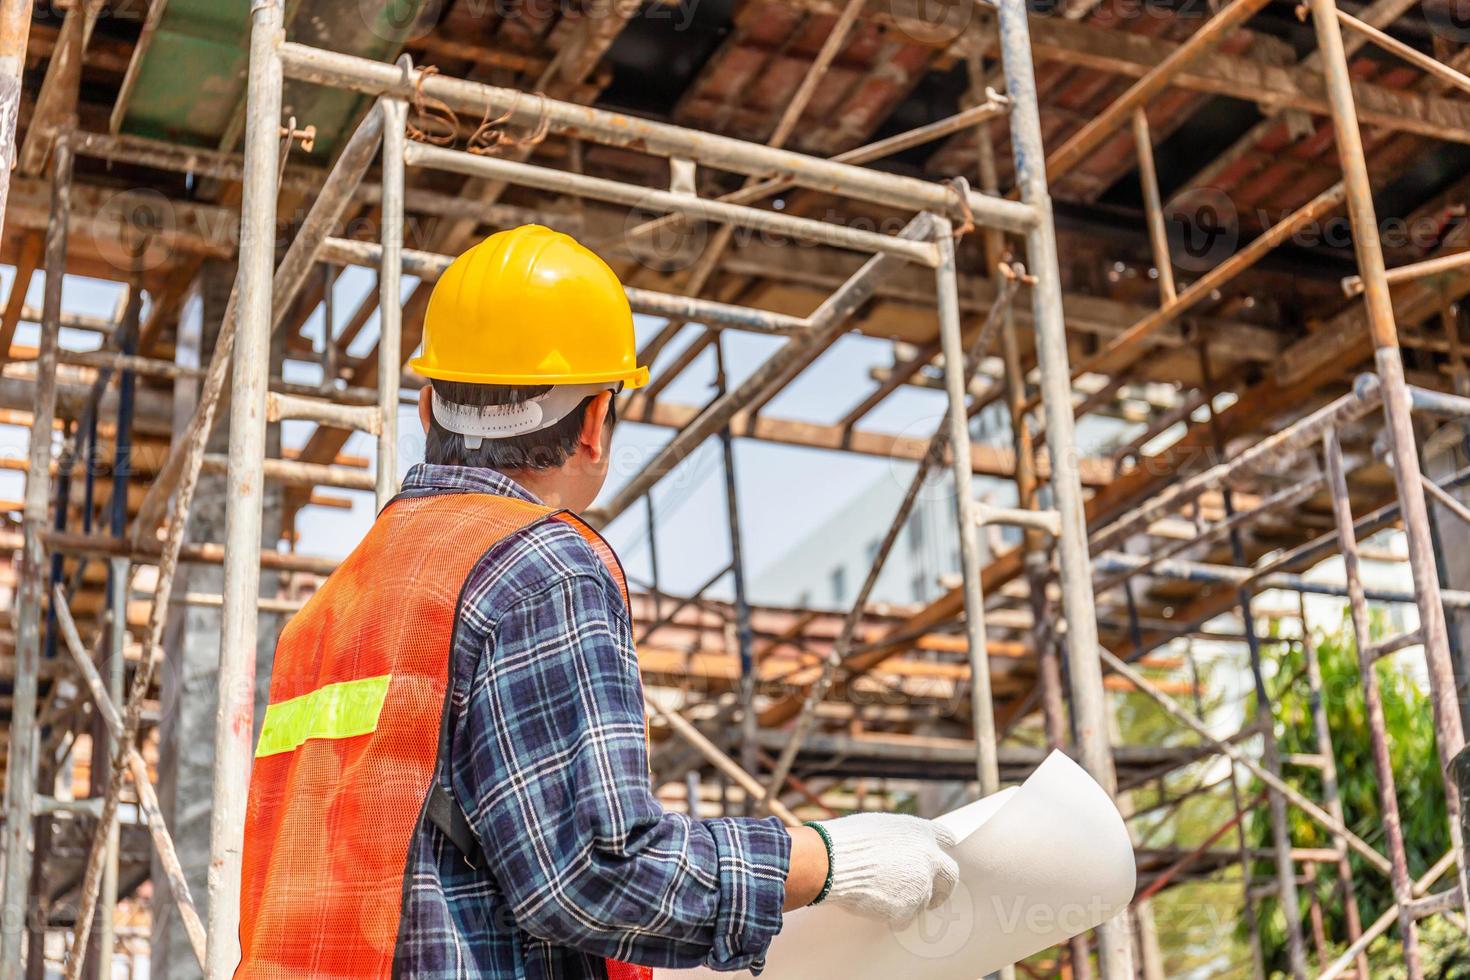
[
  {"x": 1407, "y": 716},
  {"x": 1195, "y": 920}
]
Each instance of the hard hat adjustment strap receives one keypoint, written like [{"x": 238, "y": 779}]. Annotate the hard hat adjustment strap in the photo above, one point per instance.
[{"x": 478, "y": 423}]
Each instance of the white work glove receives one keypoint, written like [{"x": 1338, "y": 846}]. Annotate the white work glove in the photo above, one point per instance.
[{"x": 889, "y": 866}]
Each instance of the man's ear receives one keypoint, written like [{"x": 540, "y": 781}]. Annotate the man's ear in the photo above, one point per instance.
[
  {"x": 424, "y": 411},
  {"x": 594, "y": 426}
]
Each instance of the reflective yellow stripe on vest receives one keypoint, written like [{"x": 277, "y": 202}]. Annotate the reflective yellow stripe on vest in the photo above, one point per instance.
[{"x": 339, "y": 710}]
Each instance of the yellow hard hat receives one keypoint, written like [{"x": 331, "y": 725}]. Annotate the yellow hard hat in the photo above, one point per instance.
[{"x": 529, "y": 306}]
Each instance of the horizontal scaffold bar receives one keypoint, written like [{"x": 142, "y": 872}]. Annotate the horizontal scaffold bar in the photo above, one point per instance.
[
  {"x": 616, "y": 129},
  {"x": 429, "y": 266},
  {"x": 669, "y": 202}
]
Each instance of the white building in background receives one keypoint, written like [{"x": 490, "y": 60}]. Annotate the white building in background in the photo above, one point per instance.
[{"x": 826, "y": 569}]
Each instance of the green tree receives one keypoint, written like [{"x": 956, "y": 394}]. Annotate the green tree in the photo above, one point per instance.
[{"x": 1407, "y": 714}]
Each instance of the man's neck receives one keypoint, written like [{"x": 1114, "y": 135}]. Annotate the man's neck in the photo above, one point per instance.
[{"x": 549, "y": 486}]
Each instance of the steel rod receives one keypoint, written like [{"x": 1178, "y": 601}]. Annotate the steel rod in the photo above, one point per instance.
[
  {"x": 1331, "y": 793},
  {"x": 1439, "y": 403},
  {"x": 1449, "y": 502},
  {"x": 239, "y": 620},
  {"x": 363, "y": 418},
  {"x": 101, "y": 939},
  {"x": 1368, "y": 248},
  {"x": 15, "y": 30},
  {"x": 1289, "y": 497},
  {"x": 1153, "y": 206},
  {"x": 749, "y": 722},
  {"x": 429, "y": 266},
  {"x": 1089, "y": 704},
  {"x": 390, "y": 296},
  {"x": 633, "y": 196},
  {"x": 1388, "y": 803},
  {"x": 20, "y": 785},
  {"x": 1440, "y": 264},
  {"x": 982, "y": 706},
  {"x": 616, "y": 129}
]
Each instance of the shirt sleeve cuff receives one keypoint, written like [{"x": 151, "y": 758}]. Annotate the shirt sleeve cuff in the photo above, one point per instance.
[{"x": 754, "y": 857}]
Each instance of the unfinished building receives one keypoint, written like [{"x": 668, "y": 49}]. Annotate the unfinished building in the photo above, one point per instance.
[{"x": 1257, "y": 209}]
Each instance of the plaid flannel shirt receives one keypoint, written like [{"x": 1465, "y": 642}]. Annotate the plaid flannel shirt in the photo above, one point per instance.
[{"x": 548, "y": 758}]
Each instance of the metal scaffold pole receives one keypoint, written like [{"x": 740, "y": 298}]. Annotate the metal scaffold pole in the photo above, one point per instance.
[
  {"x": 239, "y": 620},
  {"x": 1331, "y": 794},
  {"x": 1089, "y": 704},
  {"x": 390, "y": 292},
  {"x": 744, "y": 639},
  {"x": 20, "y": 785},
  {"x": 15, "y": 31},
  {"x": 1368, "y": 248},
  {"x": 1286, "y": 890},
  {"x": 1388, "y": 801},
  {"x": 982, "y": 706}
]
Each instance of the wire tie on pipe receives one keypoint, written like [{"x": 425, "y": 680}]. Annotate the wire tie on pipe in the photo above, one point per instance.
[
  {"x": 486, "y": 139},
  {"x": 961, "y": 190},
  {"x": 430, "y": 109},
  {"x": 1015, "y": 272}
]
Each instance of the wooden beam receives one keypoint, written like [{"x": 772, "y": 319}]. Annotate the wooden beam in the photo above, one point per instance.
[
  {"x": 25, "y": 268},
  {"x": 1134, "y": 55},
  {"x": 101, "y": 214},
  {"x": 989, "y": 460}
]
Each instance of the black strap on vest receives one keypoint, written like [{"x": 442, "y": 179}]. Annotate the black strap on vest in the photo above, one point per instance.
[{"x": 443, "y": 812}]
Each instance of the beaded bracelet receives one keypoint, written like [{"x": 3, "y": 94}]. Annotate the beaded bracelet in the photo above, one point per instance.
[{"x": 827, "y": 842}]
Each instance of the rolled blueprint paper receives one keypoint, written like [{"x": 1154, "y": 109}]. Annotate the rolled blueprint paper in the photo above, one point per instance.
[{"x": 1039, "y": 863}]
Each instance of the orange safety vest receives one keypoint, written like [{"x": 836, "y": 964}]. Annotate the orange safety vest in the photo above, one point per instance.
[{"x": 347, "y": 754}]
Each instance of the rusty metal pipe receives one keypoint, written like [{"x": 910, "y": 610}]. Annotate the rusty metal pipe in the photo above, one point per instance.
[
  {"x": 1388, "y": 803},
  {"x": 1448, "y": 727},
  {"x": 616, "y": 129}
]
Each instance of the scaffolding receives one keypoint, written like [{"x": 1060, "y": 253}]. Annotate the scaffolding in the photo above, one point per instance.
[{"x": 1075, "y": 542}]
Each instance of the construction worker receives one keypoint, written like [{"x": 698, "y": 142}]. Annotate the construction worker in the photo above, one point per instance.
[{"x": 452, "y": 776}]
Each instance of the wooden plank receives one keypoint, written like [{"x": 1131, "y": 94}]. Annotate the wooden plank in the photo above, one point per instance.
[
  {"x": 1121, "y": 52},
  {"x": 25, "y": 268},
  {"x": 987, "y": 459}
]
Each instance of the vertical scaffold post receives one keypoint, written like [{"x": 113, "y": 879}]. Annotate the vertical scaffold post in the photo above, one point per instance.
[
  {"x": 1388, "y": 800},
  {"x": 982, "y": 708},
  {"x": 20, "y": 786},
  {"x": 744, "y": 638},
  {"x": 1331, "y": 794},
  {"x": 15, "y": 31},
  {"x": 1368, "y": 248},
  {"x": 390, "y": 297},
  {"x": 239, "y": 615},
  {"x": 1089, "y": 704}
]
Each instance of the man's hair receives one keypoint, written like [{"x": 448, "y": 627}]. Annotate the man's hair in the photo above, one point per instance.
[{"x": 543, "y": 450}]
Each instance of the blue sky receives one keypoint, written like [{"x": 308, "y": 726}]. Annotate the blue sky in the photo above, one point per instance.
[{"x": 783, "y": 490}]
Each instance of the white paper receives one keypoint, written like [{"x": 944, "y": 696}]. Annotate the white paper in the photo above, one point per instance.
[{"x": 1039, "y": 863}]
